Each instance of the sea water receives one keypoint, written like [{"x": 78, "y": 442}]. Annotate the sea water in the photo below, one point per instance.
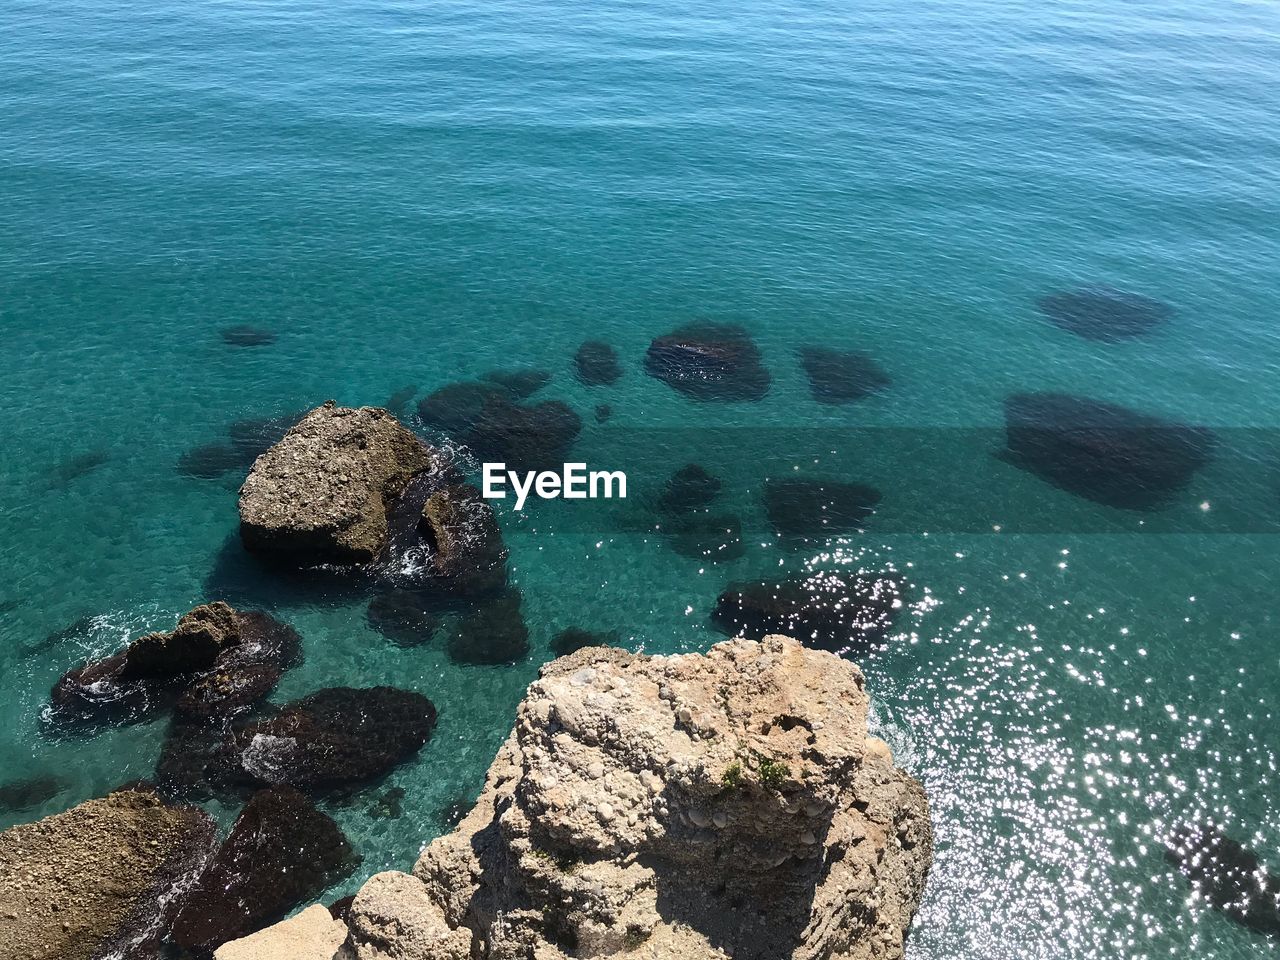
[{"x": 411, "y": 194}]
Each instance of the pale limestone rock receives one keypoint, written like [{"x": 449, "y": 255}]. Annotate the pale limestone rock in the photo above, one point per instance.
[
  {"x": 311, "y": 935},
  {"x": 392, "y": 918},
  {"x": 687, "y": 807}
]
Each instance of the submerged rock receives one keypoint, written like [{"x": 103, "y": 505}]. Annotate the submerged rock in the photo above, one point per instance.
[
  {"x": 832, "y": 610},
  {"x": 455, "y": 408},
  {"x": 842, "y": 376},
  {"x": 603, "y": 413},
  {"x": 709, "y": 362},
  {"x": 244, "y": 335},
  {"x": 701, "y": 807},
  {"x": 216, "y": 662},
  {"x": 17, "y": 796},
  {"x": 818, "y": 508},
  {"x": 468, "y": 557},
  {"x": 689, "y": 488},
  {"x": 1102, "y": 451},
  {"x": 246, "y": 441},
  {"x": 244, "y": 674},
  {"x": 388, "y": 805},
  {"x": 334, "y": 737},
  {"x": 526, "y": 438},
  {"x": 79, "y": 633},
  {"x": 484, "y": 417},
  {"x": 208, "y": 461},
  {"x": 322, "y": 494},
  {"x": 254, "y": 436},
  {"x": 280, "y": 853},
  {"x": 519, "y": 382},
  {"x": 398, "y": 403},
  {"x": 198, "y": 761},
  {"x": 1227, "y": 874},
  {"x": 75, "y": 467},
  {"x": 596, "y": 364},
  {"x": 493, "y": 633},
  {"x": 95, "y": 881},
  {"x": 575, "y": 638},
  {"x": 1104, "y": 313},
  {"x": 404, "y": 617}
]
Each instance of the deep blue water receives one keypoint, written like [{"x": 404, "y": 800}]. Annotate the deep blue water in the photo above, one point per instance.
[{"x": 413, "y": 194}]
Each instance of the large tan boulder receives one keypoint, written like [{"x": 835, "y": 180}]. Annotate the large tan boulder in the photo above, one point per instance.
[
  {"x": 324, "y": 492},
  {"x": 726, "y": 805},
  {"x": 96, "y": 880}
]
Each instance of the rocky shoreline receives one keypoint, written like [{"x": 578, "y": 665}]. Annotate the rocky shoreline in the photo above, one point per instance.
[
  {"x": 700, "y": 806},
  {"x": 730, "y": 804}
]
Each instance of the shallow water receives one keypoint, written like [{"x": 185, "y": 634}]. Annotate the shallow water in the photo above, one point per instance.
[{"x": 411, "y": 195}]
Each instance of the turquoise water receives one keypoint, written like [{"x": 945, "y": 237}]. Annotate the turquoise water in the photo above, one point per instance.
[{"x": 416, "y": 194}]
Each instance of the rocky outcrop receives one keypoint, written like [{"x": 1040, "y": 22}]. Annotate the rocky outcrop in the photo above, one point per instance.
[
  {"x": 701, "y": 807},
  {"x": 323, "y": 493},
  {"x": 215, "y": 663},
  {"x": 468, "y": 557},
  {"x": 575, "y": 638},
  {"x": 97, "y": 880}
]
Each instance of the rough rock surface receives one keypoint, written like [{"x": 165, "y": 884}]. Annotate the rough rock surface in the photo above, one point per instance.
[
  {"x": 311, "y": 935},
  {"x": 321, "y": 495},
  {"x": 726, "y": 805},
  {"x": 96, "y": 879},
  {"x": 468, "y": 556},
  {"x": 215, "y": 663}
]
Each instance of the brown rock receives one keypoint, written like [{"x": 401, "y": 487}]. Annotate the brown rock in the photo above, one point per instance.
[
  {"x": 468, "y": 555},
  {"x": 193, "y": 645},
  {"x": 322, "y": 494},
  {"x": 94, "y": 880}
]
